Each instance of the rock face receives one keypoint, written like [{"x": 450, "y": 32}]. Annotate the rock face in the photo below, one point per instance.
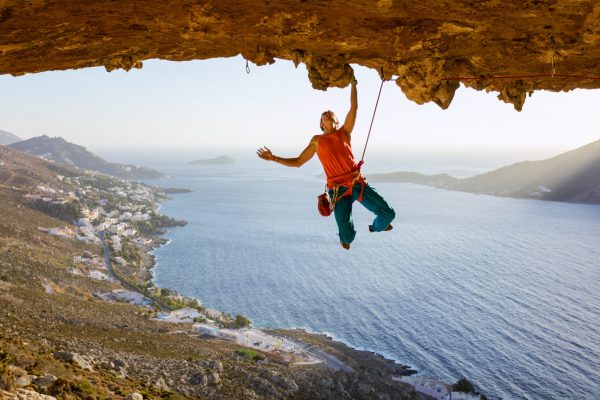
[{"x": 419, "y": 43}]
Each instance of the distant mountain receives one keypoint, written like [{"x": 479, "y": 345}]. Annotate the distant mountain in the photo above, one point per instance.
[
  {"x": 569, "y": 177},
  {"x": 222, "y": 160},
  {"x": 59, "y": 150},
  {"x": 8, "y": 138}
]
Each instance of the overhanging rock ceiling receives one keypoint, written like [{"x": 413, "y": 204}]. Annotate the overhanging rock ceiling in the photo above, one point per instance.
[{"x": 426, "y": 46}]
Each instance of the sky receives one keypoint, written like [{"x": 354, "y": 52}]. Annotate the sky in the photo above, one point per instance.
[{"x": 214, "y": 106}]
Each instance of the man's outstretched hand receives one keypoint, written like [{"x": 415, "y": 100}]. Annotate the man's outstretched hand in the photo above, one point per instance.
[{"x": 265, "y": 153}]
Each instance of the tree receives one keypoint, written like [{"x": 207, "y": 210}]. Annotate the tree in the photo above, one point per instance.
[
  {"x": 463, "y": 385},
  {"x": 241, "y": 321}
]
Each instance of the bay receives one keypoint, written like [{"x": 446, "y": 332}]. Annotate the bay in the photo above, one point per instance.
[{"x": 501, "y": 291}]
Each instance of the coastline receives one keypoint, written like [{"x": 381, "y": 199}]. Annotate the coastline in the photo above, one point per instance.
[{"x": 325, "y": 342}]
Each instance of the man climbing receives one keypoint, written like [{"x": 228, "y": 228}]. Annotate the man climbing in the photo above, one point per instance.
[{"x": 345, "y": 183}]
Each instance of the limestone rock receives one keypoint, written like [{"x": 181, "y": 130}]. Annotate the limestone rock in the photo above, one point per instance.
[
  {"x": 216, "y": 365},
  {"x": 214, "y": 378},
  {"x": 160, "y": 384},
  {"x": 286, "y": 383},
  {"x": 427, "y": 46},
  {"x": 199, "y": 378},
  {"x": 44, "y": 381},
  {"x": 22, "y": 378},
  {"x": 23, "y": 394},
  {"x": 118, "y": 364},
  {"x": 24, "y": 381},
  {"x": 74, "y": 358},
  {"x": 135, "y": 396}
]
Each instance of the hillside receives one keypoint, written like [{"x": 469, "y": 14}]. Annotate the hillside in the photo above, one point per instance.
[
  {"x": 569, "y": 177},
  {"x": 60, "y": 151},
  {"x": 60, "y": 335},
  {"x": 8, "y": 138}
]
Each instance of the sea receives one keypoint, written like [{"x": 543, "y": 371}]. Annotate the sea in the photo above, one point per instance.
[{"x": 504, "y": 292}]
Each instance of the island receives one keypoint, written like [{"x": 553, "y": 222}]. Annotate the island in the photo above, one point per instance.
[{"x": 221, "y": 160}]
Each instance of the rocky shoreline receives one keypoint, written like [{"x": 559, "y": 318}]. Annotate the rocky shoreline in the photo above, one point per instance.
[{"x": 343, "y": 351}]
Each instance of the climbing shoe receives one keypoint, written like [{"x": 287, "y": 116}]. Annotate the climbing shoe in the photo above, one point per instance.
[
  {"x": 389, "y": 228},
  {"x": 345, "y": 245}
]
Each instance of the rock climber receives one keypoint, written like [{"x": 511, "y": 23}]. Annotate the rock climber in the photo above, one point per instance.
[{"x": 345, "y": 183}]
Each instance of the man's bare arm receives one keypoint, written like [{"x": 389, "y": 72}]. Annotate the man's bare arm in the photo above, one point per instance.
[
  {"x": 306, "y": 155},
  {"x": 351, "y": 117}
]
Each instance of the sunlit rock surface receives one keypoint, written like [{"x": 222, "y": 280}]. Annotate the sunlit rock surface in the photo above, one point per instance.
[{"x": 419, "y": 43}]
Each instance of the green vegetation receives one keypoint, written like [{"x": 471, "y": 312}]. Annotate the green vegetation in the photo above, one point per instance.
[
  {"x": 66, "y": 212},
  {"x": 130, "y": 253},
  {"x": 156, "y": 224},
  {"x": 64, "y": 388},
  {"x": 170, "y": 299},
  {"x": 227, "y": 321},
  {"x": 250, "y": 354},
  {"x": 241, "y": 321},
  {"x": 7, "y": 379},
  {"x": 465, "y": 386}
]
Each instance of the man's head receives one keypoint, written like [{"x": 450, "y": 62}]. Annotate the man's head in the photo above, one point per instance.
[{"x": 329, "y": 121}]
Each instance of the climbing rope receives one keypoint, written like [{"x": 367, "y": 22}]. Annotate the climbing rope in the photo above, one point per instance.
[
  {"x": 362, "y": 160},
  {"x": 553, "y": 75},
  {"x": 247, "y": 68}
]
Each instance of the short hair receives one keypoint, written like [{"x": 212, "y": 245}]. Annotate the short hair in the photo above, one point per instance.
[{"x": 332, "y": 115}]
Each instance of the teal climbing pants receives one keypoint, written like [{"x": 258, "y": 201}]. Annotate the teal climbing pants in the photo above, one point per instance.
[{"x": 371, "y": 200}]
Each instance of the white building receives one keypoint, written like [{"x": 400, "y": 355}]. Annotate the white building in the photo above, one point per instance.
[
  {"x": 428, "y": 386},
  {"x": 65, "y": 232},
  {"x": 46, "y": 189},
  {"x": 117, "y": 228},
  {"x": 99, "y": 276},
  {"x": 128, "y": 232},
  {"x": 116, "y": 243},
  {"x": 180, "y": 316},
  {"x": 138, "y": 216},
  {"x": 83, "y": 221},
  {"x": 126, "y": 216},
  {"x": 207, "y": 329},
  {"x": 120, "y": 260}
]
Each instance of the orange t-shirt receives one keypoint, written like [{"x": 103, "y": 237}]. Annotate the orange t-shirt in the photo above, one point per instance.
[{"x": 336, "y": 156}]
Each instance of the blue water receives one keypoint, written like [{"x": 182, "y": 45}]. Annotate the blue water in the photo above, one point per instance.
[{"x": 502, "y": 291}]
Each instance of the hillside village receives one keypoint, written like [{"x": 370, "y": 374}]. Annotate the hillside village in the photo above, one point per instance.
[{"x": 113, "y": 213}]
